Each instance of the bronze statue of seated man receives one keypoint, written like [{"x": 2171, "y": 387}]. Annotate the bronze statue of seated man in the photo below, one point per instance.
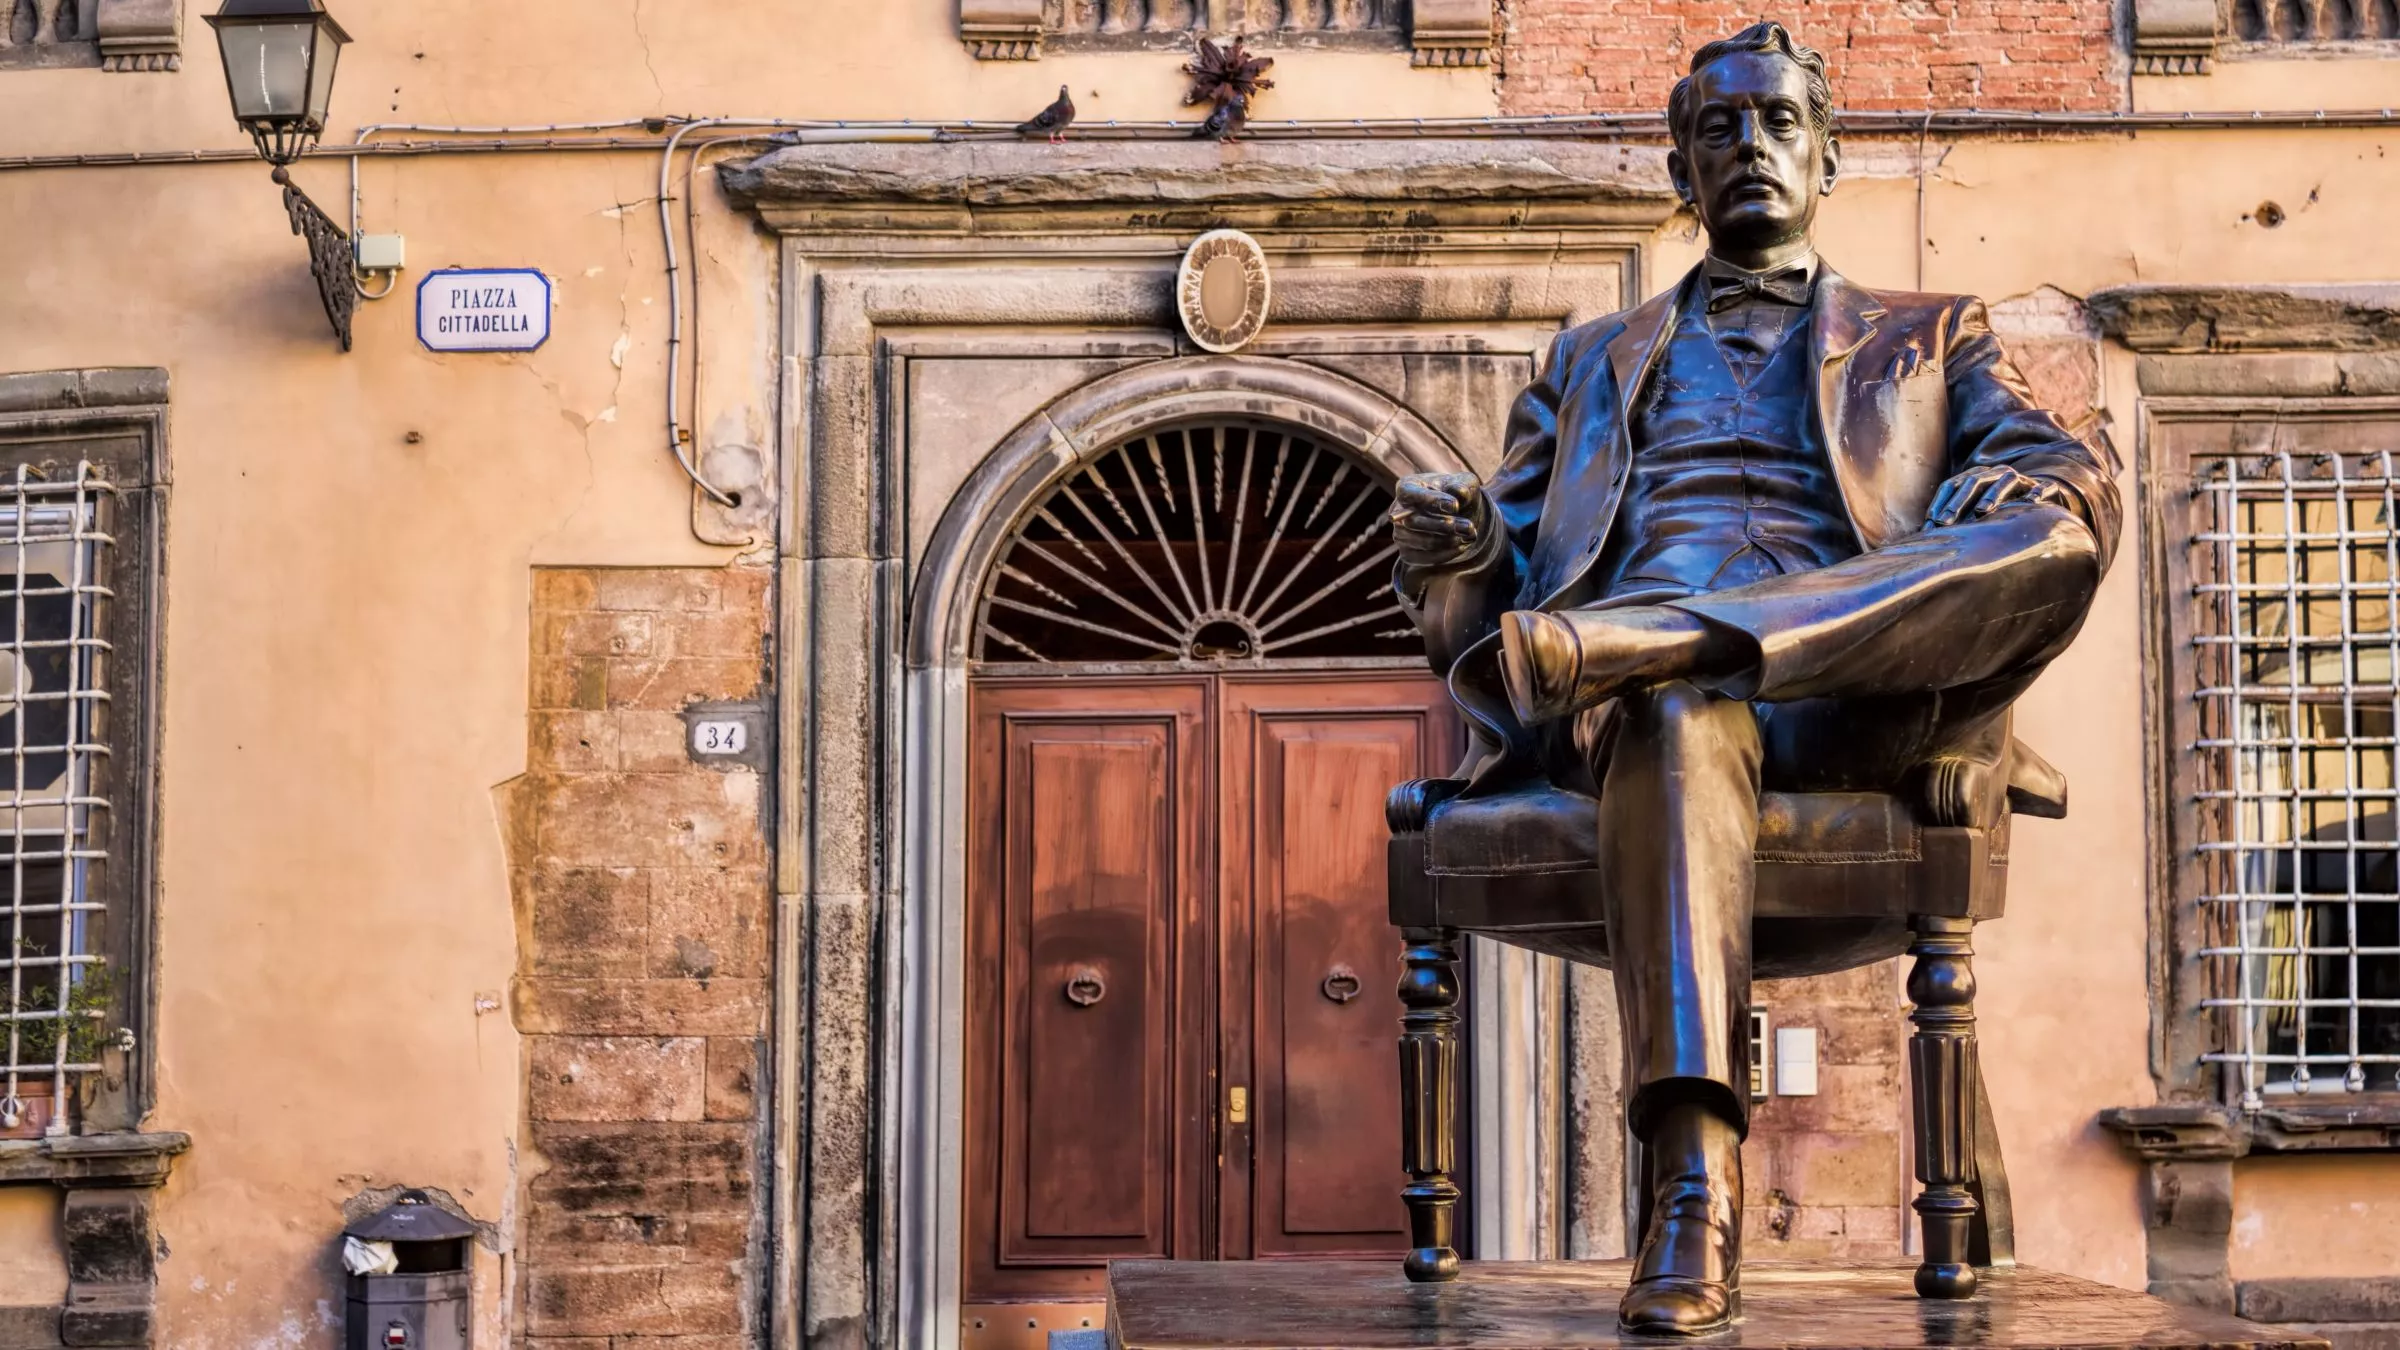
[{"x": 1769, "y": 530}]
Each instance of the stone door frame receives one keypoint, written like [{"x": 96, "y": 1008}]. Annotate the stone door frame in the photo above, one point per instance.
[{"x": 871, "y": 697}]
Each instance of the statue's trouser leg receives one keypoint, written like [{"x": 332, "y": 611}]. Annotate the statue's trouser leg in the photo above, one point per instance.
[
  {"x": 1678, "y": 825},
  {"x": 1960, "y": 606}
]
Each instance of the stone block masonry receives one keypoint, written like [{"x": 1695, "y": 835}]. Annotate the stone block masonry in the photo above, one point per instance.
[
  {"x": 1825, "y": 1176},
  {"x": 644, "y": 925},
  {"x": 1573, "y": 56}
]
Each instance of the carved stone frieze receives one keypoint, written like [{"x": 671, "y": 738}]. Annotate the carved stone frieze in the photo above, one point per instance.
[
  {"x": 141, "y": 35},
  {"x": 2174, "y": 37},
  {"x": 1001, "y": 30},
  {"x": 1452, "y": 33}
]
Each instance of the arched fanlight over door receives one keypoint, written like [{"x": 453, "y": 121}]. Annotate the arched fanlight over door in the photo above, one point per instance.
[{"x": 1214, "y": 543}]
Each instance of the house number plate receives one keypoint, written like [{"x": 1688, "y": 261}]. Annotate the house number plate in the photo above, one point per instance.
[{"x": 727, "y": 735}]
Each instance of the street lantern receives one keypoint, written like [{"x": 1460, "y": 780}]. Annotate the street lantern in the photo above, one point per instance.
[{"x": 279, "y": 62}]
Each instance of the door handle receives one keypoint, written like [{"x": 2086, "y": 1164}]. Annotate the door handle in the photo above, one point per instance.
[
  {"x": 1085, "y": 987},
  {"x": 1341, "y": 984}
]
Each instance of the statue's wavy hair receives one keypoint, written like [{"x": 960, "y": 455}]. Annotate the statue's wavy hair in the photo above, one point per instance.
[{"x": 1758, "y": 37}]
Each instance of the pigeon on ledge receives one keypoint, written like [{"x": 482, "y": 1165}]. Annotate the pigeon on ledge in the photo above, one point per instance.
[
  {"x": 1052, "y": 121},
  {"x": 1224, "y": 120}
]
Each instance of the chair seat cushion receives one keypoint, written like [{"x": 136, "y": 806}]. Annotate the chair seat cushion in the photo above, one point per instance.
[{"x": 1549, "y": 829}]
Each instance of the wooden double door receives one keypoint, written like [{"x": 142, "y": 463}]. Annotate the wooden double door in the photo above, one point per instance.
[{"x": 1181, "y": 1006}]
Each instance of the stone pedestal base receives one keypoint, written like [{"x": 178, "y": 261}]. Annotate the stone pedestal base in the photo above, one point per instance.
[{"x": 1563, "y": 1305}]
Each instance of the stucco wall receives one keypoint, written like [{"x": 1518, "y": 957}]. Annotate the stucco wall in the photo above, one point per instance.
[{"x": 354, "y": 540}]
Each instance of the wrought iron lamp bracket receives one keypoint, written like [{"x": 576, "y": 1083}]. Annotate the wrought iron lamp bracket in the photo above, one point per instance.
[{"x": 330, "y": 259}]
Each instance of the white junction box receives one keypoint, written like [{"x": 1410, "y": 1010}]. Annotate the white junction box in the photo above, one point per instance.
[
  {"x": 382, "y": 252},
  {"x": 1796, "y": 1061}
]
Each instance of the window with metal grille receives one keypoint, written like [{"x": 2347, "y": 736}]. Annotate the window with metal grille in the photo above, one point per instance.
[
  {"x": 80, "y": 512},
  {"x": 1202, "y": 544},
  {"x": 55, "y": 549},
  {"x": 2294, "y": 567}
]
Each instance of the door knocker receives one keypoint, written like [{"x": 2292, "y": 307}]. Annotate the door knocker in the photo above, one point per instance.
[
  {"x": 1085, "y": 987},
  {"x": 1341, "y": 984}
]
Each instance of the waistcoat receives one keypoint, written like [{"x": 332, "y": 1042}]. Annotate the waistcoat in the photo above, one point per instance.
[{"x": 1726, "y": 486}]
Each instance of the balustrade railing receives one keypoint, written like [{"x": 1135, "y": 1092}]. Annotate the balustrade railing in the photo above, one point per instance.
[
  {"x": 1101, "y": 19},
  {"x": 2310, "y": 22}
]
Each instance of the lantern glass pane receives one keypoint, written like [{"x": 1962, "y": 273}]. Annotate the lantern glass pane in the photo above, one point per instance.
[
  {"x": 320, "y": 79},
  {"x": 267, "y": 67}
]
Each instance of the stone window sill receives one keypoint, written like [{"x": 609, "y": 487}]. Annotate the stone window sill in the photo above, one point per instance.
[
  {"x": 2194, "y": 1131},
  {"x": 92, "y": 1159}
]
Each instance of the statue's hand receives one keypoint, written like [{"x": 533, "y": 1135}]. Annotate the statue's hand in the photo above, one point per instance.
[
  {"x": 1980, "y": 491},
  {"x": 1438, "y": 519}
]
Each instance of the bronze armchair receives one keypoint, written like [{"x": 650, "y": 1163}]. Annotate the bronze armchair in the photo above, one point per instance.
[{"x": 1845, "y": 879}]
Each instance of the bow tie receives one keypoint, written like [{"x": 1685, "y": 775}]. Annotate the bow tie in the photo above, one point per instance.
[{"x": 1787, "y": 287}]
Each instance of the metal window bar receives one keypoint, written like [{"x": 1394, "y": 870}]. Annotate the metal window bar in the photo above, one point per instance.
[
  {"x": 2296, "y": 572},
  {"x": 53, "y": 727}
]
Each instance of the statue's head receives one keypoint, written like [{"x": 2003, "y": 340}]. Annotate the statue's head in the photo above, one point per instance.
[{"x": 1754, "y": 144}]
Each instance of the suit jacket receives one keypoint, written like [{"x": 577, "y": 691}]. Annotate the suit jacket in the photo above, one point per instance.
[{"x": 1907, "y": 390}]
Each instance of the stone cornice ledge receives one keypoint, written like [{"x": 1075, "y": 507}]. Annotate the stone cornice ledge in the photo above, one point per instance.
[
  {"x": 68, "y": 390},
  {"x": 93, "y": 1160},
  {"x": 1413, "y": 183},
  {"x": 2175, "y": 318}
]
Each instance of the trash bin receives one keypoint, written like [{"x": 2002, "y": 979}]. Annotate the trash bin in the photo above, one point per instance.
[{"x": 410, "y": 1285}]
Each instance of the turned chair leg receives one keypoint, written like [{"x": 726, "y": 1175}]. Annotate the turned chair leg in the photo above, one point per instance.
[
  {"x": 1429, "y": 1060},
  {"x": 1943, "y": 1077}
]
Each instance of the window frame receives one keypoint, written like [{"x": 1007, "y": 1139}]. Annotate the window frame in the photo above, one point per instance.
[
  {"x": 116, "y": 420},
  {"x": 2182, "y": 1028}
]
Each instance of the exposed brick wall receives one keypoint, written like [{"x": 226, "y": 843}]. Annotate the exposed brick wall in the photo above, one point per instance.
[
  {"x": 644, "y": 918},
  {"x": 1823, "y": 1174},
  {"x": 1567, "y": 56}
]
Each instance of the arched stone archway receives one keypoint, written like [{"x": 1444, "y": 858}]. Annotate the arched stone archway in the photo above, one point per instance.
[{"x": 1045, "y": 449}]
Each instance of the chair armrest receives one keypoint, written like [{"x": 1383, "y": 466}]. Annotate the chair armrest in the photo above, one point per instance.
[
  {"x": 2035, "y": 786},
  {"x": 1959, "y": 790},
  {"x": 1410, "y": 806}
]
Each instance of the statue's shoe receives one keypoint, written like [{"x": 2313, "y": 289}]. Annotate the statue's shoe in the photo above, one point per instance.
[
  {"x": 1672, "y": 1306},
  {"x": 1556, "y": 665},
  {"x": 1687, "y": 1281}
]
